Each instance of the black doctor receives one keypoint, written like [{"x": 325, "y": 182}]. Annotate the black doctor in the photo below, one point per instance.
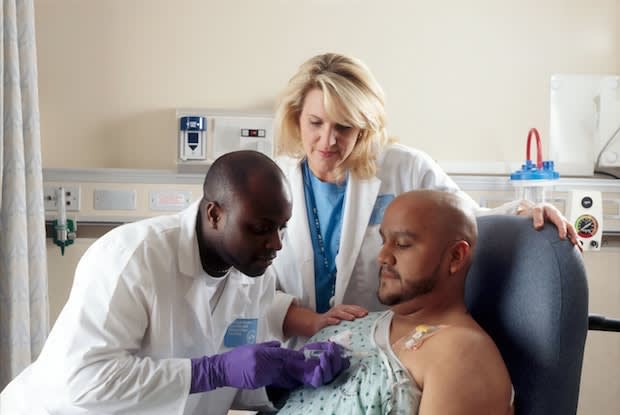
[{"x": 170, "y": 314}]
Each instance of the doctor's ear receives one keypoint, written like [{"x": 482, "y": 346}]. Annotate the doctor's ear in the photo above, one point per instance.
[{"x": 213, "y": 214}]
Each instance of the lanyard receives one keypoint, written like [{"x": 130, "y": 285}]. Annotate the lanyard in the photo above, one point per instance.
[{"x": 324, "y": 269}]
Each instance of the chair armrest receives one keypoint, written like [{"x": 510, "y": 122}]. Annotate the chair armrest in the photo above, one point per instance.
[{"x": 602, "y": 323}]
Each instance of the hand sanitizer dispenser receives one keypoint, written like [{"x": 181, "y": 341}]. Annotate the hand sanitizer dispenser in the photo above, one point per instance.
[
  {"x": 192, "y": 138},
  {"x": 205, "y": 135}
]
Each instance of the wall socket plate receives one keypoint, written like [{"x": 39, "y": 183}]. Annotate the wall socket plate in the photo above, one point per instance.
[{"x": 72, "y": 197}]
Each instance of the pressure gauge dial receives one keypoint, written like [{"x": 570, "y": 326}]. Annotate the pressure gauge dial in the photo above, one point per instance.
[{"x": 586, "y": 226}]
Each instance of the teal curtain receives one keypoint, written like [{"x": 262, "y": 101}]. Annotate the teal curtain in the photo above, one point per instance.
[{"x": 24, "y": 315}]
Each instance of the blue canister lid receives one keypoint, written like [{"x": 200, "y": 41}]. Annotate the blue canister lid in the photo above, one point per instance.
[
  {"x": 192, "y": 123},
  {"x": 529, "y": 171}
]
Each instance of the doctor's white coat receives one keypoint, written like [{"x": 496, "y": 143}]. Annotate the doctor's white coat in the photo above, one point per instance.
[
  {"x": 138, "y": 311},
  {"x": 399, "y": 169}
]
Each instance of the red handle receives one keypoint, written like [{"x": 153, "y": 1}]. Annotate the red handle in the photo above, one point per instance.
[{"x": 534, "y": 131}]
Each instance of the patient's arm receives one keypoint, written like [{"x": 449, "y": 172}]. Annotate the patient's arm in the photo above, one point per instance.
[{"x": 460, "y": 371}]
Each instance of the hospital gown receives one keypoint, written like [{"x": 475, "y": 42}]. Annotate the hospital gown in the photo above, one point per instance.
[{"x": 375, "y": 383}]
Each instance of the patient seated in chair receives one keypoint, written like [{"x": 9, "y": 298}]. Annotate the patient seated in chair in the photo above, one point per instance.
[{"x": 425, "y": 354}]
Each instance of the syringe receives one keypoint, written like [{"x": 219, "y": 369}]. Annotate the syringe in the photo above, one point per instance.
[{"x": 346, "y": 353}]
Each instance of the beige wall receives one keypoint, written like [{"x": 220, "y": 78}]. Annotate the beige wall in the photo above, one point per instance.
[{"x": 474, "y": 74}]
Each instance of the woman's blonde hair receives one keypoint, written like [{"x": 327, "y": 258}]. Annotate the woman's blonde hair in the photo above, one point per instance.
[{"x": 351, "y": 96}]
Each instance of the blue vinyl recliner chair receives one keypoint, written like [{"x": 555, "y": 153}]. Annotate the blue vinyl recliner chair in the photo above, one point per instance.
[{"x": 528, "y": 290}]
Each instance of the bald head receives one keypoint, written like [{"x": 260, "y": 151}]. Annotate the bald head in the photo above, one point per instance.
[
  {"x": 447, "y": 215},
  {"x": 242, "y": 174},
  {"x": 243, "y": 212}
]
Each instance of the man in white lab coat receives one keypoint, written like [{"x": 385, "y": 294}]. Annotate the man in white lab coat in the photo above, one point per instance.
[{"x": 167, "y": 315}]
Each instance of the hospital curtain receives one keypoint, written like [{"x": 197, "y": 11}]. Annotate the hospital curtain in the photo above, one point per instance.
[{"x": 24, "y": 319}]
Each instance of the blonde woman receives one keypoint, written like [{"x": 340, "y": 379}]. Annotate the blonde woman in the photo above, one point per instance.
[{"x": 344, "y": 170}]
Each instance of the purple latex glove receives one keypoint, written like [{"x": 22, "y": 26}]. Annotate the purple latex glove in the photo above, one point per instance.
[
  {"x": 246, "y": 367},
  {"x": 329, "y": 359}
]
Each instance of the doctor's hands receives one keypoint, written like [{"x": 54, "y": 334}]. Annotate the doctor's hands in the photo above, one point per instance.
[
  {"x": 338, "y": 313},
  {"x": 301, "y": 321},
  {"x": 324, "y": 362},
  {"x": 542, "y": 212},
  {"x": 249, "y": 366},
  {"x": 256, "y": 365}
]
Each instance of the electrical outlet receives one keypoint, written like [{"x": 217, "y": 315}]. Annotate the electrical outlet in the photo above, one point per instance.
[{"x": 72, "y": 197}]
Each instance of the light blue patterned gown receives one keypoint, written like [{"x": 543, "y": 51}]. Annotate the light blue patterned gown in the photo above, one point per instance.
[{"x": 374, "y": 384}]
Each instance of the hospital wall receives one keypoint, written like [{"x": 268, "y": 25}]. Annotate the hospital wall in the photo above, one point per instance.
[
  {"x": 464, "y": 81},
  {"x": 472, "y": 74}
]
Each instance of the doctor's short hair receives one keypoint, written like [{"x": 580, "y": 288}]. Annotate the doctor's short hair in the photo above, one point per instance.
[
  {"x": 352, "y": 96},
  {"x": 229, "y": 176}
]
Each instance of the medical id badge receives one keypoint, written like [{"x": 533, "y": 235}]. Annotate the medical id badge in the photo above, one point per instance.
[
  {"x": 379, "y": 209},
  {"x": 241, "y": 331}
]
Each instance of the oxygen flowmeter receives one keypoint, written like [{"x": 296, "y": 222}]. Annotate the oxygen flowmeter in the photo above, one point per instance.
[
  {"x": 64, "y": 229},
  {"x": 192, "y": 138}
]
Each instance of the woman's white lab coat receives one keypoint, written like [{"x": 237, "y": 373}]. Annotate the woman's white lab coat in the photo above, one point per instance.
[
  {"x": 139, "y": 309},
  {"x": 399, "y": 169}
]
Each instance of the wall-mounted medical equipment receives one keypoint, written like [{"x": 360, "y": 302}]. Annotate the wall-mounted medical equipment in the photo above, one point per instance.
[
  {"x": 220, "y": 132},
  {"x": 64, "y": 229},
  {"x": 585, "y": 124},
  {"x": 585, "y": 212},
  {"x": 192, "y": 138},
  {"x": 534, "y": 179}
]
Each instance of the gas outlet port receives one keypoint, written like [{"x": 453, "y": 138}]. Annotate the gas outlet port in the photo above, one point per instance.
[{"x": 72, "y": 197}]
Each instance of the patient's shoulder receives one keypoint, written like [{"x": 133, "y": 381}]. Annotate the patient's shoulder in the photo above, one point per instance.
[
  {"x": 464, "y": 343},
  {"x": 457, "y": 345},
  {"x": 462, "y": 357}
]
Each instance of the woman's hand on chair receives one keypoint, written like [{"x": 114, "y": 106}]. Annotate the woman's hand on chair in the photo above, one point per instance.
[{"x": 546, "y": 212}]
